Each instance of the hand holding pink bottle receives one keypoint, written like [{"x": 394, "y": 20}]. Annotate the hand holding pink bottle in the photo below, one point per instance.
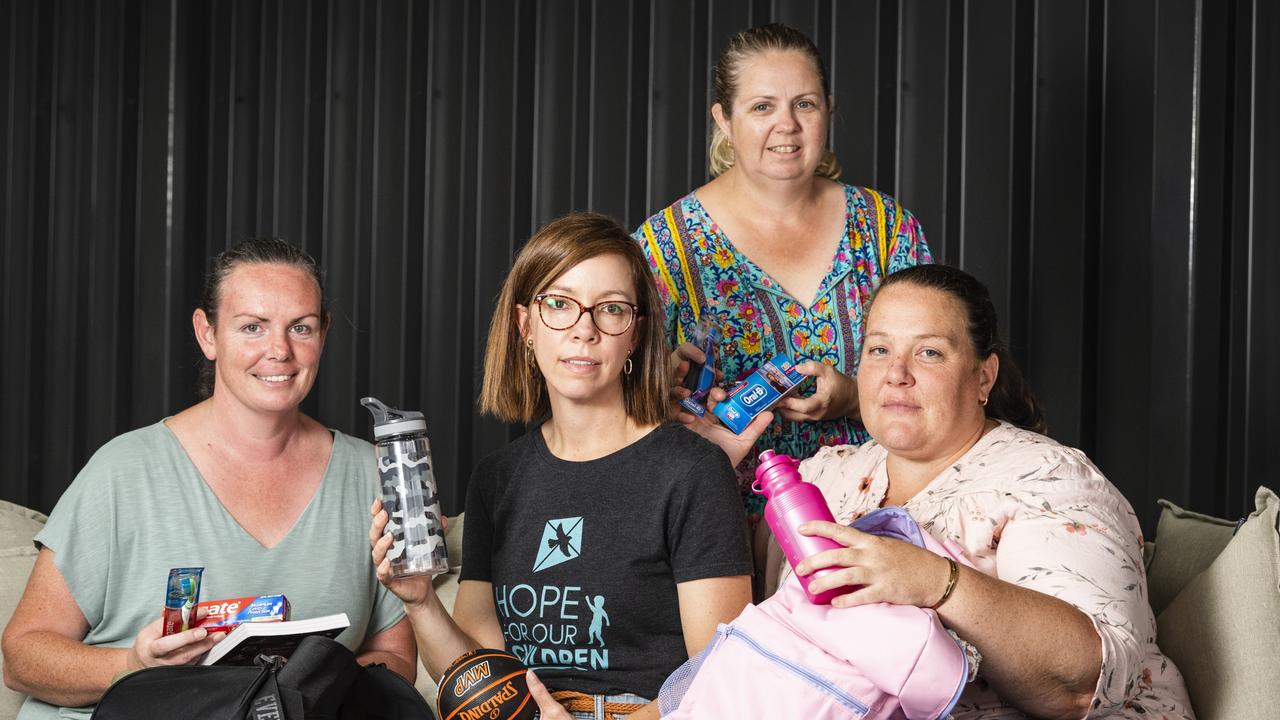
[{"x": 791, "y": 503}]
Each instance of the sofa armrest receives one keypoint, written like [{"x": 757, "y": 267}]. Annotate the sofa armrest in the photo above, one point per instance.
[
  {"x": 18, "y": 525},
  {"x": 1222, "y": 628}
]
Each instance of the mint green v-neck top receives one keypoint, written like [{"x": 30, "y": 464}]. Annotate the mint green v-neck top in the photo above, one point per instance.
[{"x": 139, "y": 507}]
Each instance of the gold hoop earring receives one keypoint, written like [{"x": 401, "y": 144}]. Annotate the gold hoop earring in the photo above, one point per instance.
[
  {"x": 983, "y": 401},
  {"x": 626, "y": 366}
]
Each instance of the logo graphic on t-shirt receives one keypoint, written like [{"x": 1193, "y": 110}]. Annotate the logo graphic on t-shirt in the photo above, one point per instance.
[
  {"x": 598, "y": 615},
  {"x": 550, "y": 625},
  {"x": 561, "y": 541}
]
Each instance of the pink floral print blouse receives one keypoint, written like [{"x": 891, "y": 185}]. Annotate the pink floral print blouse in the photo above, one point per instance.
[{"x": 1040, "y": 515}]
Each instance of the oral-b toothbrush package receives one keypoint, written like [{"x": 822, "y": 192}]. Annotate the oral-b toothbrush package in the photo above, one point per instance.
[{"x": 760, "y": 391}]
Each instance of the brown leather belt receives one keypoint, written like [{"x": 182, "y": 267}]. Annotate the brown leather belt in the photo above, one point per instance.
[{"x": 574, "y": 701}]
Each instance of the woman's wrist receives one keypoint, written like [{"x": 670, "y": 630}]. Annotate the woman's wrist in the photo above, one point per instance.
[
  {"x": 425, "y": 606},
  {"x": 851, "y": 409},
  {"x": 953, "y": 574},
  {"x": 132, "y": 661},
  {"x": 854, "y": 411},
  {"x": 121, "y": 675}
]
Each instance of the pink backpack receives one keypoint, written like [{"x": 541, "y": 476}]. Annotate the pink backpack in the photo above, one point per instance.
[{"x": 789, "y": 658}]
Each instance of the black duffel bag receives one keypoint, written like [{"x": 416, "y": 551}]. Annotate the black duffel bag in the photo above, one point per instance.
[{"x": 320, "y": 681}]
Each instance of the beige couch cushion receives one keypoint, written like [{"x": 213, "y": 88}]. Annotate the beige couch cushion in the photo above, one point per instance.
[
  {"x": 1186, "y": 543},
  {"x": 1223, "y": 629},
  {"x": 17, "y": 526}
]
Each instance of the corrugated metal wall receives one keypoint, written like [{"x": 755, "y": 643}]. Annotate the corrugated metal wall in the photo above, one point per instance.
[{"x": 1111, "y": 169}]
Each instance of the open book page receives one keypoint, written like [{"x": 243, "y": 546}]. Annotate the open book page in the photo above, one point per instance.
[{"x": 249, "y": 640}]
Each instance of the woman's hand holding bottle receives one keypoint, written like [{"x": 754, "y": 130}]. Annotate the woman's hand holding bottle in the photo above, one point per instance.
[{"x": 412, "y": 590}]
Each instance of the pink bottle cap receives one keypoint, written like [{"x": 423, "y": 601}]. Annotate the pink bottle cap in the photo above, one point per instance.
[{"x": 773, "y": 468}]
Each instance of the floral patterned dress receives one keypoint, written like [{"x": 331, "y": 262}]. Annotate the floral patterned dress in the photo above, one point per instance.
[
  {"x": 699, "y": 271},
  {"x": 1040, "y": 515}
]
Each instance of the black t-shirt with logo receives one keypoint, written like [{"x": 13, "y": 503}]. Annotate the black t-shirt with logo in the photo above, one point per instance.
[{"x": 584, "y": 557}]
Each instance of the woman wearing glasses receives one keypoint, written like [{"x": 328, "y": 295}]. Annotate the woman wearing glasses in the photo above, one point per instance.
[{"x": 605, "y": 544}]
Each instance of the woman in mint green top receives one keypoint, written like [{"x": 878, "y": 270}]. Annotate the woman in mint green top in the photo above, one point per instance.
[{"x": 244, "y": 484}]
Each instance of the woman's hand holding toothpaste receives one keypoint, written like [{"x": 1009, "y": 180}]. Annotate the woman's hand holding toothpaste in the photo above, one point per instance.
[{"x": 151, "y": 649}]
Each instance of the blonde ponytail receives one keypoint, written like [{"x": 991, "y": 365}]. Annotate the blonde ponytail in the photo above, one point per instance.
[
  {"x": 828, "y": 166},
  {"x": 720, "y": 153}
]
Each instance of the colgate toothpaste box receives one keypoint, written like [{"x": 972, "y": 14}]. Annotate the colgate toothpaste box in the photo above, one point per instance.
[
  {"x": 227, "y": 614},
  {"x": 760, "y": 391}
]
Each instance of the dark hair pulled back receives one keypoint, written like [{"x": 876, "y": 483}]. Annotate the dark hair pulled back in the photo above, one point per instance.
[
  {"x": 255, "y": 251},
  {"x": 1010, "y": 399}
]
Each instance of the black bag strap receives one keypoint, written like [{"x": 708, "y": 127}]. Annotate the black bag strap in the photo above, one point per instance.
[{"x": 269, "y": 703}]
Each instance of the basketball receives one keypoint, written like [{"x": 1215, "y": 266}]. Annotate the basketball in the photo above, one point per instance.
[{"x": 486, "y": 684}]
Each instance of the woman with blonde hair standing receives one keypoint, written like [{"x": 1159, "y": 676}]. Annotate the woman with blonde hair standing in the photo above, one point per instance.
[{"x": 780, "y": 254}]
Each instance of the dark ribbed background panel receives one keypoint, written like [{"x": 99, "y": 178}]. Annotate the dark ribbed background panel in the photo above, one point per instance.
[
  {"x": 1064, "y": 202},
  {"x": 18, "y": 372},
  {"x": 1260, "y": 224},
  {"x": 1108, "y": 168}
]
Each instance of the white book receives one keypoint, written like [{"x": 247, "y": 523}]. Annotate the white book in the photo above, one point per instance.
[{"x": 251, "y": 639}]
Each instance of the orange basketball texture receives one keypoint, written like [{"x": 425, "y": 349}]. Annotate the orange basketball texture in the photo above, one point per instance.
[{"x": 485, "y": 684}]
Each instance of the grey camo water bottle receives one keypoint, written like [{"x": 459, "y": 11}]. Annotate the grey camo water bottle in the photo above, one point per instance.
[{"x": 408, "y": 491}]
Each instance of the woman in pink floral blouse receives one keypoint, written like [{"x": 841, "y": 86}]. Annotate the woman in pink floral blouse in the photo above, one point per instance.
[{"x": 1057, "y": 605}]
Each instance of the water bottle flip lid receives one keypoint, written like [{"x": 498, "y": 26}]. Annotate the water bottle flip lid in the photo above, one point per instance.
[
  {"x": 388, "y": 421},
  {"x": 773, "y": 468}
]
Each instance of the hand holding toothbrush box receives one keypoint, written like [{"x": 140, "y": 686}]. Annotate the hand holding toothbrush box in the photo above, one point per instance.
[
  {"x": 760, "y": 391},
  {"x": 701, "y": 376}
]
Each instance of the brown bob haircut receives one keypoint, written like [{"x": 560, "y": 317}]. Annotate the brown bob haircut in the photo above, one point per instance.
[{"x": 513, "y": 390}]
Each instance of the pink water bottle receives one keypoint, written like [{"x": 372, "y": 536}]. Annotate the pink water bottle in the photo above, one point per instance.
[{"x": 791, "y": 503}]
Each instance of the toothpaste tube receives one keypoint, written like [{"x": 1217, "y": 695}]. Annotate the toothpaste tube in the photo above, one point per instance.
[
  {"x": 760, "y": 391},
  {"x": 180, "y": 599},
  {"x": 227, "y": 614},
  {"x": 701, "y": 376}
]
